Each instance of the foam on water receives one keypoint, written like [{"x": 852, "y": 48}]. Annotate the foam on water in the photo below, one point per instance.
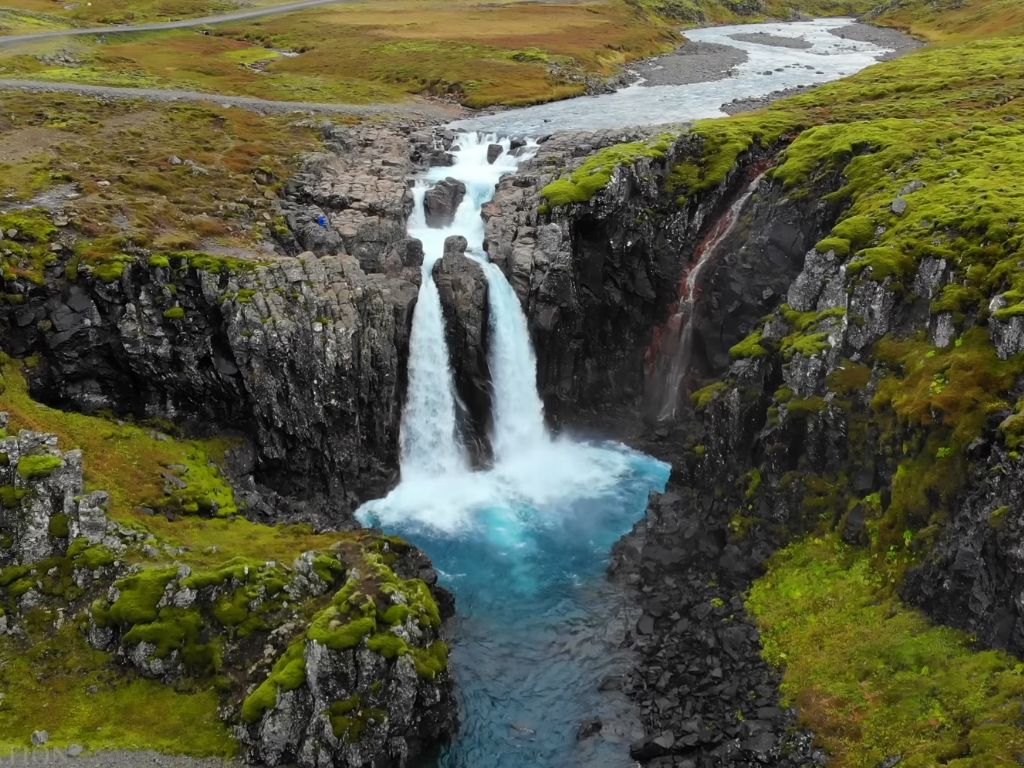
[
  {"x": 523, "y": 543},
  {"x": 768, "y": 69}
]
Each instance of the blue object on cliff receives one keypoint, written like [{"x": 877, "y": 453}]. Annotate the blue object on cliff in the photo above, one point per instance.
[{"x": 322, "y": 221}]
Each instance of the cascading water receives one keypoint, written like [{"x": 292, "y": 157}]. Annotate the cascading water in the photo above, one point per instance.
[
  {"x": 429, "y": 439},
  {"x": 523, "y": 544},
  {"x": 516, "y": 407},
  {"x": 670, "y": 355}
]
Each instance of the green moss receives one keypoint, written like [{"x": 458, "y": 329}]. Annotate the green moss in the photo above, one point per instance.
[
  {"x": 750, "y": 347},
  {"x": 174, "y": 313},
  {"x": 350, "y": 718},
  {"x": 208, "y": 262},
  {"x": 596, "y": 172},
  {"x": 904, "y": 687},
  {"x": 328, "y": 568},
  {"x": 206, "y": 491},
  {"x": 288, "y": 674},
  {"x": 430, "y": 661},
  {"x": 89, "y": 556},
  {"x": 702, "y": 398},
  {"x": 59, "y": 527},
  {"x": 10, "y": 496},
  {"x": 997, "y": 518},
  {"x": 328, "y": 630},
  {"x": 110, "y": 271},
  {"x": 387, "y": 645},
  {"x": 36, "y": 467},
  {"x": 137, "y": 599},
  {"x": 937, "y": 399},
  {"x": 1012, "y": 428},
  {"x": 837, "y": 245}
]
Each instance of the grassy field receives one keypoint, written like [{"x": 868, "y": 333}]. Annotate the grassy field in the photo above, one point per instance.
[
  {"x": 26, "y": 16},
  {"x": 507, "y": 52},
  {"x": 118, "y": 158},
  {"x": 875, "y": 679}
]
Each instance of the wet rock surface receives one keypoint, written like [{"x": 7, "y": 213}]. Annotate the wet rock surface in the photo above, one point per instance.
[
  {"x": 442, "y": 200},
  {"x": 462, "y": 288}
]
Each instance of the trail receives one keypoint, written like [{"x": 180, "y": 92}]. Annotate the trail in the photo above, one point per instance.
[
  {"x": 159, "y": 26},
  {"x": 415, "y": 109}
]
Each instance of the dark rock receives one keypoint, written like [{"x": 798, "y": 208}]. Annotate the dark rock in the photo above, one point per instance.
[
  {"x": 441, "y": 201},
  {"x": 462, "y": 288},
  {"x": 589, "y": 728},
  {"x": 493, "y": 153}
]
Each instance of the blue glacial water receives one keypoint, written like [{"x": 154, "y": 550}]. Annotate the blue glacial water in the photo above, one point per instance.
[{"x": 537, "y": 624}]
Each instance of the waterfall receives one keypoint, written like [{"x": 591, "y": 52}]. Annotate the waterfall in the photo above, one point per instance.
[
  {"x": 516, "y": 406},
  {"x": 430, "y": 443},
  {"x": 674, "y": 342}
]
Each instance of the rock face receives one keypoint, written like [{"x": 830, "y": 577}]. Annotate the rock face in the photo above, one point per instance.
[
  {"x": 706, "y": 696},
  {"x": 383, "y": 702},
  {"x": 973, "y": 578},
  {"x": 441, "y": 201},
  {"x": 43, "y": 506},
  {"x": 304, "y": 353},
  {"x": 599, "y": 278},
  {"x": 463, "y": 291},
  {"x": 337, "y": 659}
]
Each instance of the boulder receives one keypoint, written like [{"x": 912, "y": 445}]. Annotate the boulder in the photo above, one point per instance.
[
  {"x": 462, "y": 287},
  {"x": 441, "y": 202}
]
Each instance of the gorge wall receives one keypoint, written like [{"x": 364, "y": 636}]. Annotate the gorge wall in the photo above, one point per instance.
[
  {"x": 862, "y": 378},
  {"x": 301, "y": 351}
]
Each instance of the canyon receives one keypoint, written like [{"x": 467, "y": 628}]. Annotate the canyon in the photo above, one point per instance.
[{"x": 806, "y": 339}]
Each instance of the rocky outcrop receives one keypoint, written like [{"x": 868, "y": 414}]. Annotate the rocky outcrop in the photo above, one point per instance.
[
  {"x": 598, "y": 278},
  {"x": 42, "y": 505},
  {"x": 706, "y": 696},
  {"x": 441, "y": 201},
  {"x": 463, "y": 291},
  {"x": 973, "y": 577},
  {"x": 303, "y": 353},
  {"x": 336, "y": 659},
  {"x": 367, "y": 685}
]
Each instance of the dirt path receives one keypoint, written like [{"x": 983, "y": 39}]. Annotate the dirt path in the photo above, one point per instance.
[
  {"x": 423, "y": 109},
  {"x": 158, "y": 26}
]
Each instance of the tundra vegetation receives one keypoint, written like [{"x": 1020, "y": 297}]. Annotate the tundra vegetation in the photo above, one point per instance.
[{"x": 948, "y": 117}]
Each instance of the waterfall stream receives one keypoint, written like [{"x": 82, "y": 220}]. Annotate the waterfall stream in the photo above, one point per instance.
[
  {"x": 430, "y": 442},
  {"x": 522, "y": 544}
]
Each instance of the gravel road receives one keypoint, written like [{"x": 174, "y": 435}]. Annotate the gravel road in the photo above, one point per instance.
[
  {"x": 416, "y": 109},
  {"x": 158, "y": 26},
  {"x": 45, "y": 758}
]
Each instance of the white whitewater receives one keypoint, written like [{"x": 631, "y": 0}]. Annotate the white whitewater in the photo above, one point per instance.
[
  {"x": 430, "y": 443},
  {"x": 515, "y": 404},
  {"x": 768, "y": 69},
  {"x": 532, "y": 471}
]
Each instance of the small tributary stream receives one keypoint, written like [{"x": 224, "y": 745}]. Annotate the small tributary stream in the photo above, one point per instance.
[{"x": 524, "y": 543}]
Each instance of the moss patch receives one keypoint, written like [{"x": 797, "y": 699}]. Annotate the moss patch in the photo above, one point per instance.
[{"x": 904, "y": 687}]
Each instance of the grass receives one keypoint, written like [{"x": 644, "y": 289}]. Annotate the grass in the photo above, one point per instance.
[
  {"x": 129, "y": 462},
  {"x": 902, "y": 686},
  {"x": 55, "y": 682},
  {"x": 147, "y": 202},
  {"x": 508, "y": 52}
]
